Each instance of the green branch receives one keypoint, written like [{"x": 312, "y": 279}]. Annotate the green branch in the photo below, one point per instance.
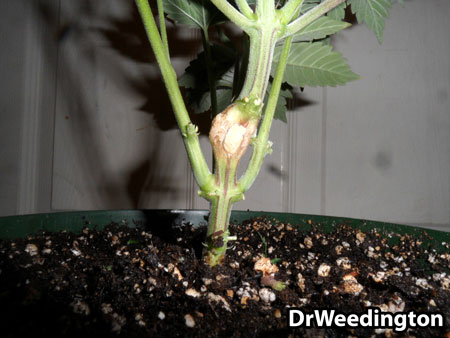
[
  {"x": 245, "y": 8},
  {"x": 162, "y": 26},
  {"x": 290, "y": 9},
  {"x": 261, "y": 144},
  {"x": 311, "y": 15},
  {"x": 188, "y": 130},
  {"x": 233, "y": 14}
]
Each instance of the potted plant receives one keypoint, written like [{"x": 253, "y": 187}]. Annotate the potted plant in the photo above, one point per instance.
[{"x": 137, "y": 282}]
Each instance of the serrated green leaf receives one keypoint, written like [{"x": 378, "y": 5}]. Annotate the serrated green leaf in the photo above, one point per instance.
[
  {"x": 187, "y": 80},
  {"x": 224, "y": 92},
  {"x": 326, "y": 42},
  {"x": 373, "y": 13},
  {"x": 338, "y": 13},
  {"x": 226, "y": 79},
  {"x": 315, "y": 64},
  {"x": 224, "y": 97},
  {"x": 194, "y": 13},
  {"x": 319, "y": 29},
  {"x": 195, "y": 77}
]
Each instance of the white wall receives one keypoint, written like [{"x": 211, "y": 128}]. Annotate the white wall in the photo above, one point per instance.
[
  {"x": 11, "y": 101},
  {"x": 388, "y": 147},
  {"x": 378, "y": 148},
  {"x": 28, "y": 61}
]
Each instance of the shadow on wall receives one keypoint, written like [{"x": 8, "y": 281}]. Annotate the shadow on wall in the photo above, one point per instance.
[
  {"x": 77, "y": 32},
  {"x": 124, "y": 35}
]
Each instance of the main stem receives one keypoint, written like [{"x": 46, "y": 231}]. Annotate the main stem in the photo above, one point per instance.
[
  {"x": 262, "y": 45},
  {"x": 217, "y": 236},
  {"x": 239, "y": 122}
]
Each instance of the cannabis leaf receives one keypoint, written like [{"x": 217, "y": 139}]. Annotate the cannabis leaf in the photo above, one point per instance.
[
  {"x": 197, "y": 91},
  {"x": 194, "y": 13},
  {"x": 281, "y": 107},
  {"x": 319, "y": 29},
  {"x": 225, "y": 97},
  {"x": 315, "y": 64},
  {"x": 224, "y": 93},
  {"x": 195, "y": 78},
  {"x": 338, "y": 13},
  {"x": 373, "y": 13}
]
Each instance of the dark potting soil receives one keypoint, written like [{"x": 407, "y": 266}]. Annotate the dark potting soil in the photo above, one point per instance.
[{"x": 124, "y": 282}]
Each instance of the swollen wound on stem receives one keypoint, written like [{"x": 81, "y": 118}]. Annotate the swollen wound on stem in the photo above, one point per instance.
[{"x": 232, "y": 130}]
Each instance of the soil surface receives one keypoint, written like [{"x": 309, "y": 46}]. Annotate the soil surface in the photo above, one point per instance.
[{"x": 130, "y": 282}]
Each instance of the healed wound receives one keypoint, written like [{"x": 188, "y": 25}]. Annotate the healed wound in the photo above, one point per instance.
[{"x": 232, "y": 129}]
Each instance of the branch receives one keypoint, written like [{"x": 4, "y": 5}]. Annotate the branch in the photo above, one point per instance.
[
  {"x": 233, "y": 14},
  {"x": 188, "y": 130},
  {"x": 311, "y": 15},
  {"x": 245, "y": 8},
  {"x": 162, "y": 26},
  {"x": 290, "y": 9}
]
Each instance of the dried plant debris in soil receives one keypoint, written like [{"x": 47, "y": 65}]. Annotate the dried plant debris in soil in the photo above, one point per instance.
[{"x": 134, "y": 283}]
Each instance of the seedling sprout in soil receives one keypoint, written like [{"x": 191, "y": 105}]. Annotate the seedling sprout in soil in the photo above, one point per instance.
[{"x": 248, "y": 89}]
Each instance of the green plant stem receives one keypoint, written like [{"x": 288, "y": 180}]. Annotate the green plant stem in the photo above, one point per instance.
[
  {"x": 290, "y": 9},
  {"x": 243, "y": 64},
  {"x": 199, "y": 166},
  {"x": 228, "y": 191},
  {"x": 311, "y": 15},
  {"x": 261, "y": 145},
  {"x": 265, "y": 10},
  {"x": 162, "y": 26},
  {"x": 245, "y": 8},
  {"x": 233, "y": 14},
  {"x": 210, "y": 71},
  {"x": 220, "y": 209},
  {"x": 262, "y": 43}
]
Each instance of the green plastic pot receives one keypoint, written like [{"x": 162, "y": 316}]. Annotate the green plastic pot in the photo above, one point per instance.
[{"x": 22, "y": 226}]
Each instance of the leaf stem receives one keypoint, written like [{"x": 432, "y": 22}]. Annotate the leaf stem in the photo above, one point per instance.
[
  {"x": 188, "y": 130},
  {"x": 162, "y": 26},
  {"x": 245, "y": 8},
  {"x": 261, "y": 145},
  {"x": 290, "y": 9},
  {"x": 233, "y": 14},
  {"x": 311, "y": 15}
]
